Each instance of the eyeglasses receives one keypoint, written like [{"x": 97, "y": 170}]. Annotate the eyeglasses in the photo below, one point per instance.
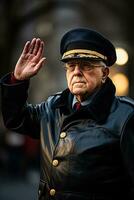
[{"x": 83, "y": 65}]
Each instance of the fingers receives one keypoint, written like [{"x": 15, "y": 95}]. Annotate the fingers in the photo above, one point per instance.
[
  {"x": 32, "y": 45},
  {"x": 29, "y": 46},
  {"x": 26, "y": 47},
  {"x": 36, "y": 47},
  {"x": 40, "y": 50}
]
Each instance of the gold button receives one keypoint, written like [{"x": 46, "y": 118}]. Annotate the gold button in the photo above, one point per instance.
[
  {"x": 52, "y": 192},
  {"x": 63, "y": 135},
  {"x": 55, "y": 162}
]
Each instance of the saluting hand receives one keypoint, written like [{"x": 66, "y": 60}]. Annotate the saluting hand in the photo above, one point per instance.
[{"x": 31, "y": 60}]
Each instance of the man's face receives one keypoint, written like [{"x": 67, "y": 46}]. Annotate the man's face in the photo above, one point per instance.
[{"x": 85, "y": 77}]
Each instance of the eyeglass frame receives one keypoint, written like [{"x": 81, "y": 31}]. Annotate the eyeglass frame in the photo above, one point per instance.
[{"x": 100, "y": 63}]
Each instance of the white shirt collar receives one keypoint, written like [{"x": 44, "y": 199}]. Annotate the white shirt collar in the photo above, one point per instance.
[{"x": 83, "y": 103}]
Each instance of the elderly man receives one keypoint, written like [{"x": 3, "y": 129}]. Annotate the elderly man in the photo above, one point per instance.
[{"x": 86, "y": 132}]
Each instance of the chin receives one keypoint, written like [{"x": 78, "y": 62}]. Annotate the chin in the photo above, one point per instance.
[{"x": 79, "y": 92}]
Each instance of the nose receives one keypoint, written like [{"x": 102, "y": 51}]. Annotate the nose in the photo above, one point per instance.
[{"x": 77, "y": 69}]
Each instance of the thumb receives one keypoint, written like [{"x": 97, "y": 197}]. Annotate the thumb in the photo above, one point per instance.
[{"x": 40, "y": 64}]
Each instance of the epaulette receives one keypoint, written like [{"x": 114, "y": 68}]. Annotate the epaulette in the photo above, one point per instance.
[{"x": 127, "y": 100}]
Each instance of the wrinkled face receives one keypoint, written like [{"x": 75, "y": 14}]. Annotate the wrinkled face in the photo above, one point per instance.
[{"x": 85, "y": 77}]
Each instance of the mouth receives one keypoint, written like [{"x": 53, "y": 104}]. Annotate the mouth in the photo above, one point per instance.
[
  {"x": 78, "y": 85},
  {"x": 78, "y": 82}
]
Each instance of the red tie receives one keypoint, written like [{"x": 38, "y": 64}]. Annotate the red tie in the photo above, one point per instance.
[{"x": 77, "y": 105}]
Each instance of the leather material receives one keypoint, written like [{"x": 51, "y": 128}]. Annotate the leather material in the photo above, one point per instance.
[{"x": 94, "y": 157}]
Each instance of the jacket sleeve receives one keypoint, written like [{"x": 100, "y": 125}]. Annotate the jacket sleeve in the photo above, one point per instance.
[
  {"x": 18, "y": 115},
  {"x": 127, "y": 147}
]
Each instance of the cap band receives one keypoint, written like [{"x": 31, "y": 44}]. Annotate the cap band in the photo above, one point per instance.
[{"x": 83, "y": 53}]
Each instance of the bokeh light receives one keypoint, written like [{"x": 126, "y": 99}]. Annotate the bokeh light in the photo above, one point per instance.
[
  {"x": 122, "y": 56},
  {"x": 122, "y": 84}
]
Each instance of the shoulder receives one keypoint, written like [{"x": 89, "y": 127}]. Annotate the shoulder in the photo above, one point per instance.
[
  {"x": 52, "y": 99},
  {"x": 126, "y": 101},
  {"x": 60, "y": 99},
  {"x": 54, "y": 96},
  {"x": 123, "y": 109},
  {"x": 128, "y": 104}
]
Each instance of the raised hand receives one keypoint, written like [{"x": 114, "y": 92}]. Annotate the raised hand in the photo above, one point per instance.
[{"x": 31, "y": 60}]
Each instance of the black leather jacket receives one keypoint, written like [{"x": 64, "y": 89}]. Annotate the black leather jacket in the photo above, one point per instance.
[{"x": 86, "y": 154}]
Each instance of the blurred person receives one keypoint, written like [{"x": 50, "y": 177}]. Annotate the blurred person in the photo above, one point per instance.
[{"x": 86, "y": 132}]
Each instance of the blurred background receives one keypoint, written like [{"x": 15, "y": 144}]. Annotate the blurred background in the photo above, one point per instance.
[{"x": 50, "y": 19}]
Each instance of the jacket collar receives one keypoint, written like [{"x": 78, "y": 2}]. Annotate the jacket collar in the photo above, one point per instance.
[
  {"x": 102, "y": 101},
  {"x": 100, "y": 105}
]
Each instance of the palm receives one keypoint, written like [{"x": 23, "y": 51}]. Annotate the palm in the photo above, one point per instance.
[{"x": 30, "y": 61}]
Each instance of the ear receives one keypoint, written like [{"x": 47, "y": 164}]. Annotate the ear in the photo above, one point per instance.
[{"x": 105, "y": 73}]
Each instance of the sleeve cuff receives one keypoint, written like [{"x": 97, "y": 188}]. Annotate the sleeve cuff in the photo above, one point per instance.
[{"x": 13, "y": 79}]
